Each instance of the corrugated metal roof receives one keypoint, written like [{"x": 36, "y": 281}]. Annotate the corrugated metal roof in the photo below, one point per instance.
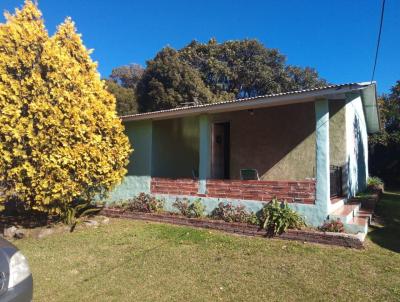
[{"x": 181, "y": 110}]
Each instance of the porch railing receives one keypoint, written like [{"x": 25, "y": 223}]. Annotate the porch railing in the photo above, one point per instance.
[{"x": 336, "y": 181}]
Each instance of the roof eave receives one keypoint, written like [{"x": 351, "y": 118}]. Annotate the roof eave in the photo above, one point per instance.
[
  {"x": 371, "y": 108},
  {"x": 252, "y": 103}
]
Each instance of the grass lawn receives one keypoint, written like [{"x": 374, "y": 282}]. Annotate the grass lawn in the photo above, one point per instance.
[{"x": 139, "y": 261}]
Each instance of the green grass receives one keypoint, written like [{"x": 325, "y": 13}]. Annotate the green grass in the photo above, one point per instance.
[{"x": 139, "y": 261}]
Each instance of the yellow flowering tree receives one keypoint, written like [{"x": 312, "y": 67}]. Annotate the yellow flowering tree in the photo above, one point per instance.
[{"x": 60, "y": 137}]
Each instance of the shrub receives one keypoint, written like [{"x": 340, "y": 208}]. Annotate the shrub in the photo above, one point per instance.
[
  {"x": 70, "y": 213},
  {"x": 277, "y": 217},
  {"x": 61, "y": 138},
  {"x": 189, "y": 209},
  {"x": 145, "y": 203},
  {"x": 332, "y": 226},
  {"x": 374, "y": 184},
  {"x": 231, "y": 213}
]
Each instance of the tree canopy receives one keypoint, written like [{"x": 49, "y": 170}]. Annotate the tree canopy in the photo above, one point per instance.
[
  {"x": 168, "y": 82},
  {"x": 212, "y": 72},
  {"x": 389, "y": 106},
  {"x": 127, "y": 76},
  {"x": 385, "y": 146},
  {"x": 122, "y": 84},
  {"x": 125, "y": 98},
  {"x": 60, "y": 138}
]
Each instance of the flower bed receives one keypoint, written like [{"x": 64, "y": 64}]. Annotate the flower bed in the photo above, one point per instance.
[{"x": 339, "y": 239}]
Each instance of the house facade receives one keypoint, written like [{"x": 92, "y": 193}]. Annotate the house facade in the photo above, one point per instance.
[{"x": 307, "y": 147}]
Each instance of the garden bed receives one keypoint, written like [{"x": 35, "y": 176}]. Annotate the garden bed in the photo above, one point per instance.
[{"x": 339, "y": 239}]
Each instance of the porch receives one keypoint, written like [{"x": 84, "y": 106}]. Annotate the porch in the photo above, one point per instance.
[{"x": 205, "y": 155}]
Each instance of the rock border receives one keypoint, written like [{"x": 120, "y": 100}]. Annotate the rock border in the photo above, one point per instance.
[{"x": 327, "y": 238}]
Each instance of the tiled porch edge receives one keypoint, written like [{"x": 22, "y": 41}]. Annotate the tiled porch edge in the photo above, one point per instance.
[{"x": 302, "y": 192}]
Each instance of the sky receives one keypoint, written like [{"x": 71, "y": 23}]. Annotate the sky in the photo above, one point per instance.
[{"x": 337, "y": 38}]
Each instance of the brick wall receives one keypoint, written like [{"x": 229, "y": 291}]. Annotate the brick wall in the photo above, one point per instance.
[
  {"x": 180, "y": 186},
  {"x": 291, "y": 191}
]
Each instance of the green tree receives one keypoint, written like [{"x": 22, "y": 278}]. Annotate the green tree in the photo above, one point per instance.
[
  {"x": 302, "y": 78},
  {"x": 228, "y": 70},
  {"x": 127, "y": 76},
  {"x": 168, "y": 83},
  {"x": 122, "y": 84},
  {"x": 125, "y": 98},
  {"x": 247, "y": 68},
  {"x": 385, "y": 146},
  {"x": 389, "y": 109},
  {"x": 60, "y": 138}
]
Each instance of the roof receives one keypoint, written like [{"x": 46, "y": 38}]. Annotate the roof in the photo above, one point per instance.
[{"x": 332, "y": 92}]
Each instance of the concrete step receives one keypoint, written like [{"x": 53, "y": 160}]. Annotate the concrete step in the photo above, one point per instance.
[
  {"x": 355, "y": 220},
  {"x": 336, "y": 203},
  {"x": 357, "y": 225},
  {"x": 345, "y": 213},
  {"x": 365, "y": 213}
]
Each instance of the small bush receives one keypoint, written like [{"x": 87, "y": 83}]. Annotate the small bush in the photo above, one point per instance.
[
  {"x": 144, "y": 203},
  {"x": 277, "y": 217},
  {"x": 231, "y": 213},
  {"x": 189, "y": 209},
  {"x": 333, "y": 226},
  {"x": 71, "y": 213},
  {"x": 374, "y": 184}
]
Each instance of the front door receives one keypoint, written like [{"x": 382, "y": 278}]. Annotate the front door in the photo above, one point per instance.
[{"x": 220, "y": 151}]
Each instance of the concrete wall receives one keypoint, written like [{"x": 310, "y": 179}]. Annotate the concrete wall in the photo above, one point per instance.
[
  {"x": 175, "y": 151},
  {"x": 356, "y": 145},
  {"x": 308, "y": 211},
  {"x": 138, "y": 177},
  {"x": 279, "y": 142}
]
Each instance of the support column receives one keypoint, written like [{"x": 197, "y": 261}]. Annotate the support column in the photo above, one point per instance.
[
  {"x": 322, "y": 157},
  {"x": 205, "y": 153}
]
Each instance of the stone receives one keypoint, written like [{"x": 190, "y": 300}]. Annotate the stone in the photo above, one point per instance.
[
  {"x": 19, "y": 234},
  {"x": 106, "y": 220},
  {"x": 45, "y": 232},
  {"x": 10, "y": 232},
  {"x": 91, "y": 223}
]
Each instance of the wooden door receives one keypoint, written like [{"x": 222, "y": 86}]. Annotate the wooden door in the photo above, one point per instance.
[{"x": 220, "y": 151}]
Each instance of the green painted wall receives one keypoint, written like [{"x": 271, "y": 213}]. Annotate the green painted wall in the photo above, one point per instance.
[
  {"x": 138, "y": 177},
  {"x": 175, "y": 147},
  {"x": 337, "y": 132},
  {"x": 140, "y": 137}
]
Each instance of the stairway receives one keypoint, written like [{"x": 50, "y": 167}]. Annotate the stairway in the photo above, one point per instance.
[{"x": 354, "y": 218}]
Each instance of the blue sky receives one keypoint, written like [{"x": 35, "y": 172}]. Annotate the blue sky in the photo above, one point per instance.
[{"x": 338, "y": 37}]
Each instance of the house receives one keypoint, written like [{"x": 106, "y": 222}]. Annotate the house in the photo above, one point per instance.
[{"x": 308, "y": 147}]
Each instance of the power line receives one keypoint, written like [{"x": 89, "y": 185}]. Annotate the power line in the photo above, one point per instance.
[{"x": 379, "y": 39}]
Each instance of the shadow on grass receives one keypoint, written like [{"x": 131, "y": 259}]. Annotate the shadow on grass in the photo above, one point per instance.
[{"x": 388, "y": 235}]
